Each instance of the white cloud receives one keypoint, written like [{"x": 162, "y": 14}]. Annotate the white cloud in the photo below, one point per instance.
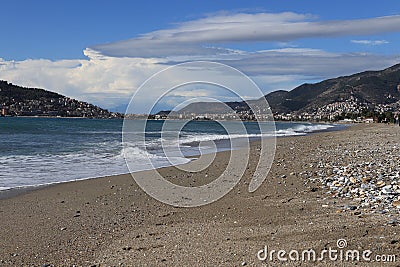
[
  {"x": 192, "y": 93},
  {"x": 311, "y": 63},
  {"x": 105, "y": 81},
  {"x": 110, "y": 82},
  {"x": 370, "y": 42},
  {"x": 194, "y": 37}
]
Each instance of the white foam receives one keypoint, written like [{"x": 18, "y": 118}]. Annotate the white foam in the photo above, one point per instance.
[
  {"x": 312, "y": 127},
  {"x": 109, "y": 157},
  {"x": 215, "y": 137}
]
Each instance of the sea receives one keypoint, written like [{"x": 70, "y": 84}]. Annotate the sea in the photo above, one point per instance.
[{"x": 41, "y": 151}]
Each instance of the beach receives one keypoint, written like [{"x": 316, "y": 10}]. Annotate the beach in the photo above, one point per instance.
[{"x": 110, "y": 221}]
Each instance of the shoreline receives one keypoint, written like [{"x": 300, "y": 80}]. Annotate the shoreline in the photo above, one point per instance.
[
  {"x": 110, "y": 221},
  {"x": 20, "y": 190}
]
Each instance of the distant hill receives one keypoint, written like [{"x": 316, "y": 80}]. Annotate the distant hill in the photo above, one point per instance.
[
  {"x": 21, "y": 101},
  {"x": 370, "y": 88},
  {"x": 214, "y": 107}
]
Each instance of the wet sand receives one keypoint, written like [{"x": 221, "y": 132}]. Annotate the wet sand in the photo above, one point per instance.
[{"x": 110, "y": 221}]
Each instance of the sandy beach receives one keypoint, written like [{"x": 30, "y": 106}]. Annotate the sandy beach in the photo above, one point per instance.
[{"x": 110, "y": 221}]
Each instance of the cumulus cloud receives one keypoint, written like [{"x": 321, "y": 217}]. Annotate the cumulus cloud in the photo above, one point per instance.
[
  {"x": 370, "y": 42},
  {"x": 194, "y": 37},
  {"x": 106, "y": 81},
  {"x": 110, "y": 81}
]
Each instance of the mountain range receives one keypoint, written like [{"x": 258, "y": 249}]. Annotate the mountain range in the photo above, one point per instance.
[
  {"x": 366, "y": 89},
  {"x": 369, "y": 88}
]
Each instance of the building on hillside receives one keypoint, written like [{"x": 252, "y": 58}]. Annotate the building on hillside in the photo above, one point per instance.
[{"x": 3, "y": 111}]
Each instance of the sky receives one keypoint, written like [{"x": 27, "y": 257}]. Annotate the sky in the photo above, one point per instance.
[{"x": 102, "y": 51}]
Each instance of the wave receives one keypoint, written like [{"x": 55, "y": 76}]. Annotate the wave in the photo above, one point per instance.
[
  {"x": 108, "y": 156},
  {"x": 301, "y": 129},
  {"x": 215, "y": 137},
  {"x": 312, "y": 127}
]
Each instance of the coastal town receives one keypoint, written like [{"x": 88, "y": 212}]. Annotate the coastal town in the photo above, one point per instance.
[
  {"x": 19, "y": 101},
  {"x": 61, "y": 107},
  {"x": 349, "y": 110},
  {"x": 32, "y": 102}
]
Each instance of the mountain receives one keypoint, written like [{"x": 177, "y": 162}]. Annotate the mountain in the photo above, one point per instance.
[
  {"x": 214, "y": 107},
  {"x": 369, "y": 89},
  {"x": 20, "y": 101}
]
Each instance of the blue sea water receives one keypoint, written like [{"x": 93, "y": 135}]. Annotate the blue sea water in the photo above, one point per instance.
[{"x": 36, "y": 151}]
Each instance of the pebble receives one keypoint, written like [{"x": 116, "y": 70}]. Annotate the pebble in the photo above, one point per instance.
[
  {"x": 353, "y": 180},
  {"x": 386, "y": 190},
  {"x": 366, "y": 174},
  {"x": 380, "y": 184}
]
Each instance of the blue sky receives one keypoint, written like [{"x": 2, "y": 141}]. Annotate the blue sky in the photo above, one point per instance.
[{"x": 101, "y": 51}]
